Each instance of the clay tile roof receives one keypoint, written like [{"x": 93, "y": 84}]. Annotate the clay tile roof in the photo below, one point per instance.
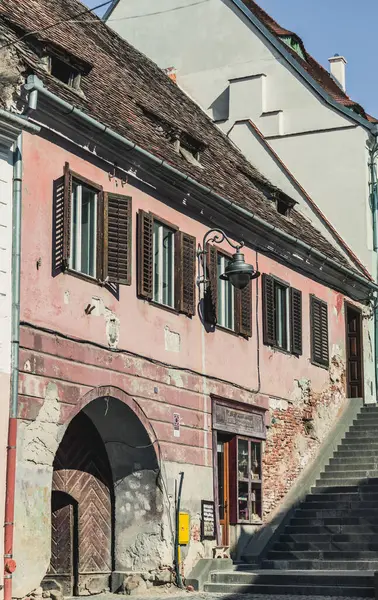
[
  {"x": 129, "y": 93},
  {"x": 313, "y": 68}
]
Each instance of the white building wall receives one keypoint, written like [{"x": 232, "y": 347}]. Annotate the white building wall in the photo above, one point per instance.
[
  {"x": 6, "y": 174},
  {"x": 233, "y": 72}
]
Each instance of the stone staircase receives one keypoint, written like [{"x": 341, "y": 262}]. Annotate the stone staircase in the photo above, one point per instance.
[{"x": 330, "y": 546}]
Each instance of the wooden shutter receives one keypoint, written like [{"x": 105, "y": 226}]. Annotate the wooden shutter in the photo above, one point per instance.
[
  {"x": 243, "y": 311},
  {"x": 117, "y": 238},
  {"x": 185, "y": 273},
  {"x": 296, "y": 321},
  {"x": 67, "y": 202},
  {"x": 211, "y": 287},
  {"x": 268, "y": 306},
  {"x": 319, "y": 331},
  {"x": 145, "y": 255}
]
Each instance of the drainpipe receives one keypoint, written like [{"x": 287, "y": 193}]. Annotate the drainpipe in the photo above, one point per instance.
[
  {"x": 374, "y": 208},
  {"x": 9, "y": 563}
]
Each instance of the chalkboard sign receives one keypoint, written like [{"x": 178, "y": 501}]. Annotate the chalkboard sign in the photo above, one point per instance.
[{"x": 208, "y": 531}]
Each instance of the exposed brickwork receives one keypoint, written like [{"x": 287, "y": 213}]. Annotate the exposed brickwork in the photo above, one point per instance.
[{"x": 297, "y": 429}]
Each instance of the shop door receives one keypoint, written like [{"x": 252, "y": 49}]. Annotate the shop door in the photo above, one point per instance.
[
  {"x": 354, "y": 353},
  {"x": 223, "y": 489}
]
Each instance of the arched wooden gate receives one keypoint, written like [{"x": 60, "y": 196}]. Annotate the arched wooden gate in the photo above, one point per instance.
[{"x": 82, "y": 511}]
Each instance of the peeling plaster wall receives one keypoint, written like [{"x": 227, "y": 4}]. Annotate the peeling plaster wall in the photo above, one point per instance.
[{"x": 37, "y": 443}]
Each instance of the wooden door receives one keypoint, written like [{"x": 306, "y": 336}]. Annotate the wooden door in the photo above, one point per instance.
[
  {"x": 82, "y": 471},
  {"x": 354, "y": 352},
  {"x": 223, "y": 489},
  {"x": 63, "y": 526}
]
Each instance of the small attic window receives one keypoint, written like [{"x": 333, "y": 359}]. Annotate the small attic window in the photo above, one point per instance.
[
  {"x": 284, "y": 204},
  {"x": 64, "y": 72},
  {"x": 189, "y": 149},
  {"x": 294, "y": 44}
]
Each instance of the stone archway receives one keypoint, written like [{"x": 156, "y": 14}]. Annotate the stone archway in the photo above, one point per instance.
[{"x": 82, "y": 511}]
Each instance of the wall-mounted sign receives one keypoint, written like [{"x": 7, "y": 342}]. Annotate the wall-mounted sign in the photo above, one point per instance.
[
  {"x": 208, "y": 531},
  {"x": 235, "y": 420},
  {"x": 176, "y": 425}
]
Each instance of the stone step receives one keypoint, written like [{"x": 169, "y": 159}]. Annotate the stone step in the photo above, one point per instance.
[
  {"x": 350, "y": 467},
  {"x": 363, "y": 434},
  {"x": 332, "y": 555},
  {"x": 339, "y": 481},
  {"x": 321, "y": 578},
  {"x": 329, "y": 518},
  {"x": 329, "y": 528},
  {"x": 363, "y": 488},
  {"x": 364, "y": 443},
  {"x": 347, "y": 505},
  {"x": 292, "y": 547},
  {"x": 353, "y": 496},
  {"x": 353, "y": 463},
  {"x": 367, "y": 425},
  {"x": 337, "y": 565},
  {"x": 337, "y": 538},
  {"x": 289, "y": 589},
  {"x": 343, "y": 452}
]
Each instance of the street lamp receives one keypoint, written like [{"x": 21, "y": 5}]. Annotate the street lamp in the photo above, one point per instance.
[{"x": 238, "y": 272}]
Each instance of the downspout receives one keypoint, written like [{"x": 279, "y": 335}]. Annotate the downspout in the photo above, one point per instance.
[
  {"x": 374, "y": 208},
  {"x": 9, "y": 563}
]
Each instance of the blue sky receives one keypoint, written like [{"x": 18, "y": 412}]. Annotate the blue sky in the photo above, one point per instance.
[{"x": 328, "y": 27}]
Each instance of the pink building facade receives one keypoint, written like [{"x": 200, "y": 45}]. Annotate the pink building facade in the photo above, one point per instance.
[
  {"x": 152, "y": 381},
  {"x": 133, "y": 370}
]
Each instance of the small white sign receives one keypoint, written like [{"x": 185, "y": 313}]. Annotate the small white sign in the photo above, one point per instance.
[{"x": 176, "y": 425}]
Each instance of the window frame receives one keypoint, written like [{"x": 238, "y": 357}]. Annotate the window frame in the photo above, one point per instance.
[
  {"x": 224, "y": 255},
  {"x": 174, "y": 230},
  {"x": 294, "y": 323},
  {"x": 278, "y": 284},
  {"x": 184, "y": 250},
  {"x": 98, "y": 190}
]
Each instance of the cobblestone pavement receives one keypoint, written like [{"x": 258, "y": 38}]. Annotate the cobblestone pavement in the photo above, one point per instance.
[{"x": 175, "y": 595}]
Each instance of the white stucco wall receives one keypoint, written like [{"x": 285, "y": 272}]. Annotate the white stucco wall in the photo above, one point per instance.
[
  {"x": 213, "y": 45},
  {"x": 5, "y": 315}
]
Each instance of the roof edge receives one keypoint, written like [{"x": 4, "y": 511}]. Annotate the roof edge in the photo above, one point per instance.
[
  {"x": 34, "y": 83},
  {"x": 297, "y": 67}
]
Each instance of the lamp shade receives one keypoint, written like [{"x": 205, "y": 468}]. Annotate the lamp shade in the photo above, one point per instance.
[{"x": 238, "y": 272}]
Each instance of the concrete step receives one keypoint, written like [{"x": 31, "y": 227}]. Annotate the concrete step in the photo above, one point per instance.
[
  {"x": 337, "y": 565},
  {"x": 351, "y": 463},
  {"x": 273, "y": 582},
  {"x": 332, "y": 555},
  {"x": 292, "y": 590},
  {"x": 343, "y": 467},
  {"x": 353, "y": 496},
  {"x": 339, "y": 481},
  {"x": 337, "y": 538},
  {"x": 331, "y": 528},
  {"x": 292, "y": 547},
  {"x": 324, "y": 517},
  {"x": 363, "y": 488},
  {"x": 343, "y": 452},
  {"x": 364, "y": 434}
]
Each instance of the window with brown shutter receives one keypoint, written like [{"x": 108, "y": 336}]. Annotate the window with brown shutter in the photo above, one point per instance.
[
  {"x": 319, "y": 332},
  {"x": 91, "y": 232},
  {"x": 166, "y": 264},
  {"x": 226, "y": 306},
  {"x": 281, "y": 304}
]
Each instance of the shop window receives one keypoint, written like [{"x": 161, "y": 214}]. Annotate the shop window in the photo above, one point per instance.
[
  {"x": 166, "y": 264},
  {"x": 282, "y": 315},
  {"x": 245, "y": 480}
]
